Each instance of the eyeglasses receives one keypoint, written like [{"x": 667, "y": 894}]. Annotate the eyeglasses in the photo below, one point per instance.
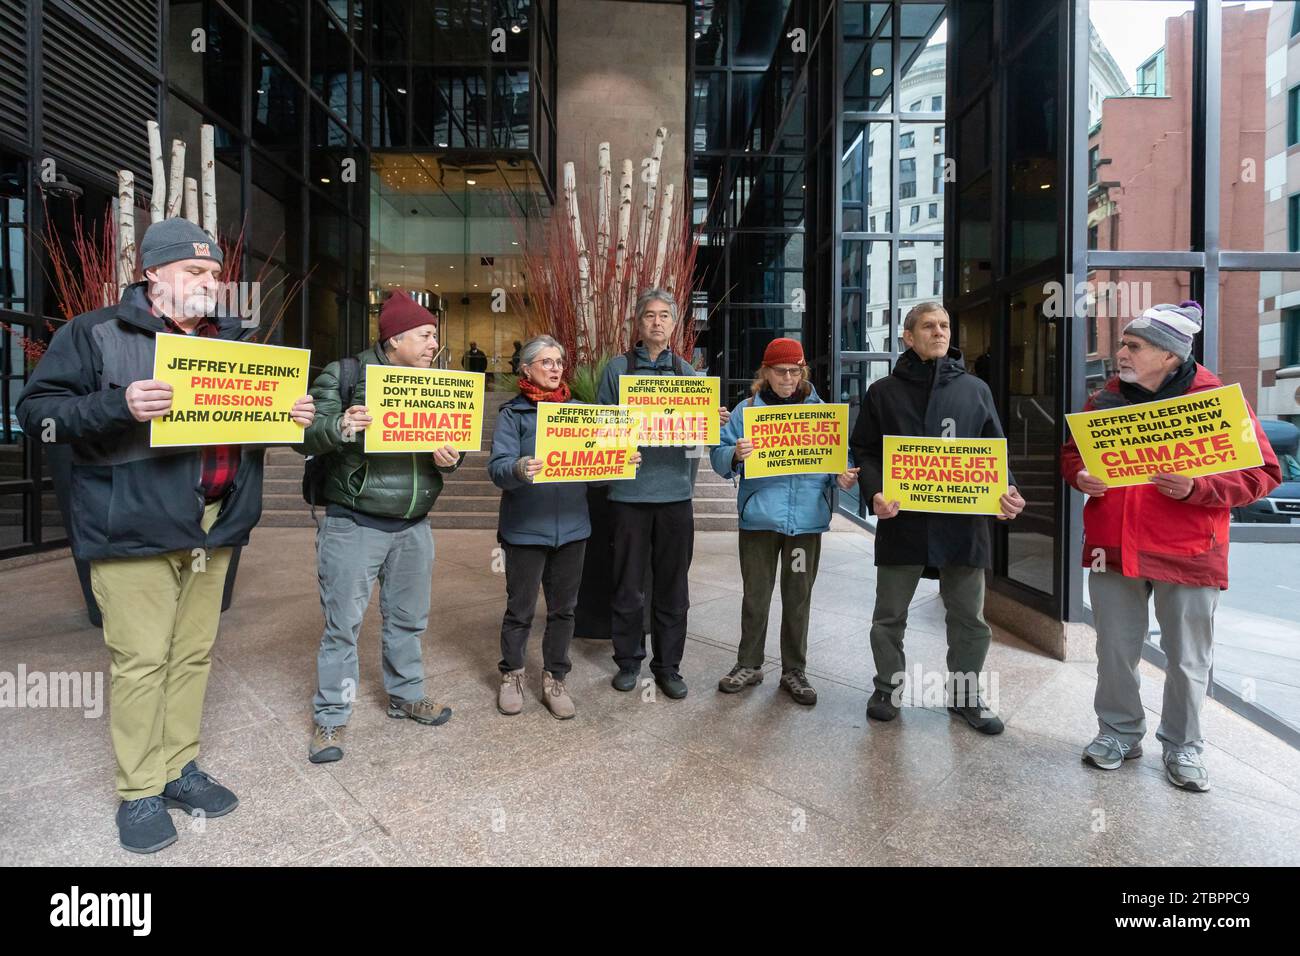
[
  {"x": 787, "y": 371},
  {"x": 549, "y": 364}
]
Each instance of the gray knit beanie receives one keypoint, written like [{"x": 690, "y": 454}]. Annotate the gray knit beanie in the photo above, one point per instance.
[
  {"x": 1169, "y": 327},
  {"x": 170, "y": 240}
]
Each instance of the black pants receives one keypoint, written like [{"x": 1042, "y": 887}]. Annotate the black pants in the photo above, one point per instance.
[
  {"x": 663, "y": 536},
  {"x": 558, "y": 572}
]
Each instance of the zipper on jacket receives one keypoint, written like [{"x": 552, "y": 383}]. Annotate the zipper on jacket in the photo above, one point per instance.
[{"x": 415, "y": 485}]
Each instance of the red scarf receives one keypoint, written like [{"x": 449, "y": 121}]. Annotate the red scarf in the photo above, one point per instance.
[{"x": 535, "y": 393}]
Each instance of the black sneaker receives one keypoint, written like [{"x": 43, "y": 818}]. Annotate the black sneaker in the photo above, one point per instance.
[
  {"x": 672, "y": 685},
  {"x": 195, "y": 792},
  {"x": 979, "y": 716},
  {"x": 144, "y": 826},
  {"x": 627, "y": 678},
  {"x": 881, "y": 706}
]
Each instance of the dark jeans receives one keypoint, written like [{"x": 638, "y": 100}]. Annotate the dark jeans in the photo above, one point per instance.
[
  {"x": 662, "y": 535},
  {"x": 798, "y": 556},
  {"x": 558, "y": 572}
]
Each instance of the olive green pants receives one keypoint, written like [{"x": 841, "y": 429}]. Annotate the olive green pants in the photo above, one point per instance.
[{"x": 160, "y": 618}]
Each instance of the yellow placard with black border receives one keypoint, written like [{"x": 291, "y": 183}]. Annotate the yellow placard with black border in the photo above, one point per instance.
[
  {"x": 797, "y": 439},
  {"x": 963, "y": 476},
  {"x": 227, "y": 393},
  {"x": 1197, "y": 434},
  {"x": 673, "y": 409},
  {"x": 577, "y": 442},
  {"x": 423, "y": 409}
]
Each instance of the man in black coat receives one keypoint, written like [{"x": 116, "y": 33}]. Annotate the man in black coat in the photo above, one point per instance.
[{"x": 930, "y": 394}]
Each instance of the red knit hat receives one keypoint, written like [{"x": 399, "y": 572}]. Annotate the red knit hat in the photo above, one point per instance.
[
  {"x": 783, "y": 352},
  {"x": 400, "y": 314}
]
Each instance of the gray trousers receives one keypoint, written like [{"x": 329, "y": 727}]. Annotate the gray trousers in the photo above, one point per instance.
[
  {"x": 1120, "y": 608},
  {"x": 969, "y": 636},
  {"x": 349, "y": 558}
]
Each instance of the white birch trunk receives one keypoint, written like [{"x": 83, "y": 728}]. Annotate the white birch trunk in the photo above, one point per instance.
[
  {"x": 125, "y": 230},
  {"x": 586, "y": 331},
  {"x": 665, "y": 225},
  {"x": 648, "y": 204},
  {"x": 208, "y": 177},
  {"x": 158, "y": 172},
  {"x": 624, "y": 231},
  {"x": 192, "y": 199},
  {"x": 176, "y": 183},
  {"x": 603, "y": 209}
]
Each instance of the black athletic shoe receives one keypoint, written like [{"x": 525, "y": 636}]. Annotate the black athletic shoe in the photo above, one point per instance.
[{"x": 144, "y": 826}]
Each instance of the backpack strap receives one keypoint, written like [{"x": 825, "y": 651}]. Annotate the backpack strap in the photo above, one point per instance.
[
  {"x": 680, "y": 365},
  {"x": 349, "y": 373}
]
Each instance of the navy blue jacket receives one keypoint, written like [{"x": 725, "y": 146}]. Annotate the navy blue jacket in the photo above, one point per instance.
[{"x": 550, "y": 514}]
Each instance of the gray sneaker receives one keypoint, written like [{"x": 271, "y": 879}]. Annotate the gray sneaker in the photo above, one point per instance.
[
  {"x": 1107, "y": 753},
  {"x": 740, "y": 678},
  {"x": 1185, "y": 769}
]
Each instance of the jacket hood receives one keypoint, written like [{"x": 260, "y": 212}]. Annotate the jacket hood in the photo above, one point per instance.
[{"x": 912, "y": 368}]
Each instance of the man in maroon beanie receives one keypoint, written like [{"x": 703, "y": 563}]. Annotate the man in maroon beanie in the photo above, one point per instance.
[{"x": 375, "y": 527}]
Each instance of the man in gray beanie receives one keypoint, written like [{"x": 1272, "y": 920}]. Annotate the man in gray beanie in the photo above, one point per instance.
[
  {"x": 1166, "y": 540},
  {"x": 143, "y": 516}
]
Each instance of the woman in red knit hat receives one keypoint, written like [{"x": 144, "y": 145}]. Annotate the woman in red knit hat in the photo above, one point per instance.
[{"x": 781, "y": 523}]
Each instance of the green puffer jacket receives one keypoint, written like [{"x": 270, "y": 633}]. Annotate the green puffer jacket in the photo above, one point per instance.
[{"x": 388, "y": 485}]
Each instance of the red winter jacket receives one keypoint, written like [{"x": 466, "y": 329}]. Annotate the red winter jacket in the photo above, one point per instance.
[{"x": 1145, "y": 534}]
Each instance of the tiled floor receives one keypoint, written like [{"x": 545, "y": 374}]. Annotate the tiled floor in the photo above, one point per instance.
[{"x": 636, "y": 778}]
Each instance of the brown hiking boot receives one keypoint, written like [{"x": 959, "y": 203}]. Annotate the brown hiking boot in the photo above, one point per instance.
[
  {"x": 423, "y": 711},
  {"x": 510, "y": 697},
  {"x": 557, "y": 698},
  {"x": 326, "y": 744},
  {"x": 740, "y": 678}
]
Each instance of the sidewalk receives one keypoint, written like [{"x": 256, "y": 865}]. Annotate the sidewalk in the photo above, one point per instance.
[{"x": 748, "y": 779}]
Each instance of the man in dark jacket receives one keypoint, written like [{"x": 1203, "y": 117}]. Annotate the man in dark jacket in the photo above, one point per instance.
[
  {"x": 157, "y": 525},
  {"x": 929, "y": 394},
  {"x": 375, "y": 527},
  {"x": 1166, "y": 540}
]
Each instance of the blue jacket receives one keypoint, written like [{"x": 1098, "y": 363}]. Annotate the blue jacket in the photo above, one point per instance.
[
  {"x": 550, "y": 514},
  {"x": 790, "y": 504},
  {"x": 665, "y": 474}
]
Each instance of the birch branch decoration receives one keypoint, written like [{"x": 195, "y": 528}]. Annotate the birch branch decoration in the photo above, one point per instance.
[
  {"x": 624, "y": 215},
  {"x": 603, "y": 207},
  {"x": 208, "y": 178},
  {"x": 125, "y": 230},
  {"x": 665, "y": 229},
  {"x": 158, "y": 172},
  {"x": 176, "y": 183},
  {"x": 192, "y": 199}
]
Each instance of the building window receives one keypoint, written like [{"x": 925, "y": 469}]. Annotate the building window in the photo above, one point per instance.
[
  {"x": 907, "y": 140},
  {"x": 1092, "y": 335},
  {"x": 1092, "y": 237},
  {"x": 1151, "y": 76},
  {"x": 1293, "y": 222},
  {"x": 1295, "y": 18},
  {"x": 938, "y": 276},
  {"x": 915, "y": 215},
  {"x": 1293, "y": 114},
  {"x": 1290, "y": 337},
  {"x": 915, "y": 107},
  {"x": 938, "y": 136},
  {"x": 1094, "y": 154},
  {"x": 907, "y": 278},
  {"x": 937, "y": 186},
  {"x": 871, "y": 224},
  {"x": 936, "y": 104},
  {"x": 906, "y": 178},
  {"x": 933, "y": 210}
]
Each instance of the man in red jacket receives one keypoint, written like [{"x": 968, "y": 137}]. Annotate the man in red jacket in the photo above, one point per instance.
[{"x": 1167, "y": 539}]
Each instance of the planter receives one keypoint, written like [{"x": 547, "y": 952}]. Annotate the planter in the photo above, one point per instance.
[
  {"x": 592, "y": 616},
  {"x": 58, "y": 463}
]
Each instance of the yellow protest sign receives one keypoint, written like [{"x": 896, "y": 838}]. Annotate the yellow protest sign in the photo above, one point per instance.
[
  {"x": 797, "y": 439},
  {"x": 227, "y": 393},
  {"x": 584, "y": 442},
  {"x": 964, "y": 476},
  {"x": 1201, "y": 433},
  {"x": 673, "y": 409},
  {"x": 420, "y": 409}
]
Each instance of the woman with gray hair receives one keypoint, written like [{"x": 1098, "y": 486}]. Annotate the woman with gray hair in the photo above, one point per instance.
[{"x": 543, "y": 530}]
